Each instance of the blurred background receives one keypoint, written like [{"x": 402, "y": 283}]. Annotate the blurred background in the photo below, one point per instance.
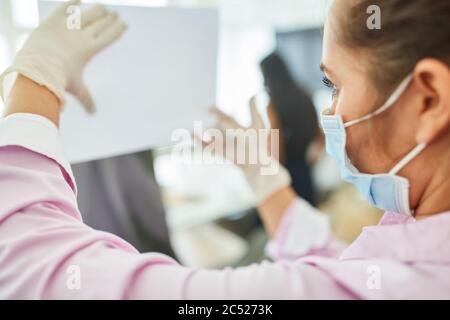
[{"x": 204, "y": 216}]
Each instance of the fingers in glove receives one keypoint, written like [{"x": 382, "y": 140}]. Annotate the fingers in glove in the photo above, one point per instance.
[
  {"x": 209, "y": 143},
  {"x": 199, "y": 139},
  {"x": 100, "y": 25},
  {"x": 220, "y": 114},
  {"x": 111, "y": 33},
  {"x": 85, "y": 98},
  {"x": 224, "y": 120},
  {"x": 257, "y": 120},
  {"x": 93, "y": 14}
]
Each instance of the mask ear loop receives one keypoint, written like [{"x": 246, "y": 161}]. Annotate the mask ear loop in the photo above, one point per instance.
[
  {"x": 389, "y": 102},
  {"x": 411, "y": 155}
]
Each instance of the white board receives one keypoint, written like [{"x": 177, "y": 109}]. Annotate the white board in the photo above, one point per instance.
[{"x": 160, "y": 76}]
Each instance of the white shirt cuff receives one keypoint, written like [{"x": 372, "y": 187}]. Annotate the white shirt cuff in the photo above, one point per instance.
[{"x": 35, "y": 133}]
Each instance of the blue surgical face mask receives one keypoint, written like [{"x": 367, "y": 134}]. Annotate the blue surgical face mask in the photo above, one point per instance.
[{"x": 386, "y": 191}]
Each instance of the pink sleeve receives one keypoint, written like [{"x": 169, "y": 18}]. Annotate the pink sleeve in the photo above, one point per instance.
[
  {"x": 304, "y": 231},
  {"x": 46, "y": 252}
]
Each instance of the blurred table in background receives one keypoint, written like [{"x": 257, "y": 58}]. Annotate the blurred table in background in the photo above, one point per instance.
[{"x": 198, "y": 196}]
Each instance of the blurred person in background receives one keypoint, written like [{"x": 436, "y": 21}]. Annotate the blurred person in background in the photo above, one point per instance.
[
  {"x": 292, "y": 111},
  {"x": 120, "y": 195},
  {"x": 390, "y": 115}
]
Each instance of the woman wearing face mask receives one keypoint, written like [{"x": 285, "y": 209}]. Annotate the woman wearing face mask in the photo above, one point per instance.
[{"x": 388, "y": 128}]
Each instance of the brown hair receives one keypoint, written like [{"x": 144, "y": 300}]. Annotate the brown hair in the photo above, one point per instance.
[{"x": 410, "y": 31}]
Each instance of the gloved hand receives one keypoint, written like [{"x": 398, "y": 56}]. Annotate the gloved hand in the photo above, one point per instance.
[
  {"x": 264, "y": 176},
  {"x": 55, "y": 55}
]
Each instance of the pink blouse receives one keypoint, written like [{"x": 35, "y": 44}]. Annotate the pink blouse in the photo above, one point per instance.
[{"x": 47, "y": 252}]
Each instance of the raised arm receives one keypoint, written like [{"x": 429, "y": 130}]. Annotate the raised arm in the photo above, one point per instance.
[{"x": 293, "y": 225}]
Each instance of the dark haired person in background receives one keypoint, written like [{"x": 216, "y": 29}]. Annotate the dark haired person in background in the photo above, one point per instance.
[{"x": 292, "y": 112}]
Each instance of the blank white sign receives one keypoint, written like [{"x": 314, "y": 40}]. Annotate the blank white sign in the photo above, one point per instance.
[{"x": 160, "y": 76}]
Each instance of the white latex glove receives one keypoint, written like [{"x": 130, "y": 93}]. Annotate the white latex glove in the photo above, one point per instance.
[
  {"x": 55, "y": 55},
  {"x": 264, "y": 177}
]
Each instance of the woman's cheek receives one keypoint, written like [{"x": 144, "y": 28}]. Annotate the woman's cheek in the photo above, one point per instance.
[
  {"x": 350, "y": 144},
  {"x": 356, "y": 146}
]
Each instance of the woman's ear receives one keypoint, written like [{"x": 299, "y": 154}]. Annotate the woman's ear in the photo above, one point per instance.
[{"x": 432, "y": 78}]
